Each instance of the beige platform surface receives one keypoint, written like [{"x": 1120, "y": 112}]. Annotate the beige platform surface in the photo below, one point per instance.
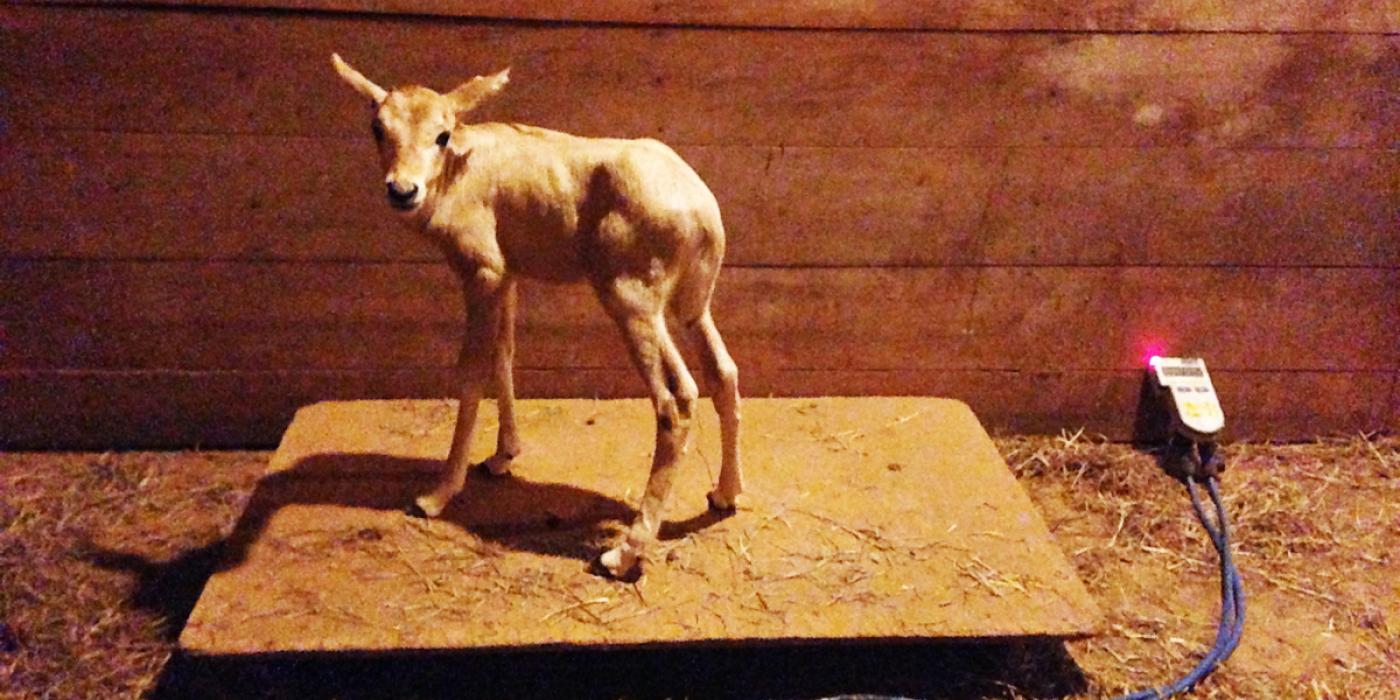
[{"x": 867, "y": 518}]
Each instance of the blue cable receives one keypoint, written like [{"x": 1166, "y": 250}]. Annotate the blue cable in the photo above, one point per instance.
[{"x": 1231, "y": 625}]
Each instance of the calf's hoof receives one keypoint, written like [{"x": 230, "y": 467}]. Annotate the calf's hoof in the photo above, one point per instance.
[
  {"x": 430, "y": 505},
  {"x": 498, "y": 464},
  {"x": 721, "y": 502},
  {"x": 622, "y": 563}
]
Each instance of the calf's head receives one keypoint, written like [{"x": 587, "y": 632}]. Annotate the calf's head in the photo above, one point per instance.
[{"x": 414, "y": 127}]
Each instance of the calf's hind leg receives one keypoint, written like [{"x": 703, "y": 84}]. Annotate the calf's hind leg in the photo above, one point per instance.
[
  {"x": 673, "y": 394},
  {"x": 722, "y": 376}
]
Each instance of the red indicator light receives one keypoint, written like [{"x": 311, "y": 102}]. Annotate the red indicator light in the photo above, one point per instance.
[{"x": 1152, "y": 352}]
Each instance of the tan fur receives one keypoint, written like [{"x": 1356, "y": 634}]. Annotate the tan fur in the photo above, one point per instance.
[{"x": 628, "y": 217}]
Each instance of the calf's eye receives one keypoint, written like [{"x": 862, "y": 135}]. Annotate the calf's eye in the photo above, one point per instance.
[
  {"x": 442, "y": 139},
  {"x": 378, "y": 130}
]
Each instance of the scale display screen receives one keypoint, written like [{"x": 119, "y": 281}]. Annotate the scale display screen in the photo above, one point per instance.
[{"x": 1176, "y": 371}]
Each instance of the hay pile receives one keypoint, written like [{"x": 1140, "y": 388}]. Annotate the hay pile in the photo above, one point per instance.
[
  {"x": 1316, "y": 530},
  {"x": 87, "y": 621}
]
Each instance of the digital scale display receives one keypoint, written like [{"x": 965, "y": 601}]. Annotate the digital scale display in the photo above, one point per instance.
[{"x": 1175, "y": 371}]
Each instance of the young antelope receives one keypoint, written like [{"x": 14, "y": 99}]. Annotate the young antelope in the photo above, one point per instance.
[{"x": 627, "y": 216}]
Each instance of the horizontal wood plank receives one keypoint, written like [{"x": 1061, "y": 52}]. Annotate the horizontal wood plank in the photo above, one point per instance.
[
  {"x": 104, "y": 410},
  {"x": 288, "y": 198},
  {"x": 1195, "y": 207},
  {"x": 274, "y": 316},
  {"x": 1065, "y": 15},
  {"x": 236, "y": 72},
  {"x": 196, "y": 197},
  {"x": 1239, "y": 318},
  {"x": 62, "y": 315}
]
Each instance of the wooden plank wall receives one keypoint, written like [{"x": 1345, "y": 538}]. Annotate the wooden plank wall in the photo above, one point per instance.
[{"x": 1004, "y": 205}]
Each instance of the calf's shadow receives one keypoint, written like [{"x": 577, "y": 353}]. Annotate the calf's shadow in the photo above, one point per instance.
[{"x": 513, "y": 512}]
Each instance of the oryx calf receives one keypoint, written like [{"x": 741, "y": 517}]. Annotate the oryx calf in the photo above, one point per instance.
[{"x": 628, "y": 216}]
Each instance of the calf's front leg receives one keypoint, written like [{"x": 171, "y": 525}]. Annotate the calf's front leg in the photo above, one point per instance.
[
  {"x": 507, "y": 436},
  {"x": 485, "y": 307}
]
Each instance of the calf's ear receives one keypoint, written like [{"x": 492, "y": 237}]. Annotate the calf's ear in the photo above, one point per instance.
[{"x": 470, "y": 94}]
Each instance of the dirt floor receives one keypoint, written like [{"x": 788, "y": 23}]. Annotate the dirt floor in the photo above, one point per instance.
[{"x": 103, "y": 555}]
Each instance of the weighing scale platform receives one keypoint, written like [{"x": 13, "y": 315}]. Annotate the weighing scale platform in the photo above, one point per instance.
[{"x": 867, "y": 519}]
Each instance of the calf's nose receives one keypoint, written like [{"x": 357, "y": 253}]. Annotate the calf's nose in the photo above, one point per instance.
[{"x": 400, "y": 194}]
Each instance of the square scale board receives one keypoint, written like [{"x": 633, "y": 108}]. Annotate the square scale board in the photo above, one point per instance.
[{"x": 867, "y": 519}]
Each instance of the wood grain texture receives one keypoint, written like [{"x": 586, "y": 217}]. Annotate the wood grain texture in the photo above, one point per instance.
[
  {"x": 103, "y": 410},
  {"x": 330, "y": 316},
  {"x": 1117, "y": 15},
  {"x": 115, "y": 196},
  {"x": 251, "y": 73}
]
